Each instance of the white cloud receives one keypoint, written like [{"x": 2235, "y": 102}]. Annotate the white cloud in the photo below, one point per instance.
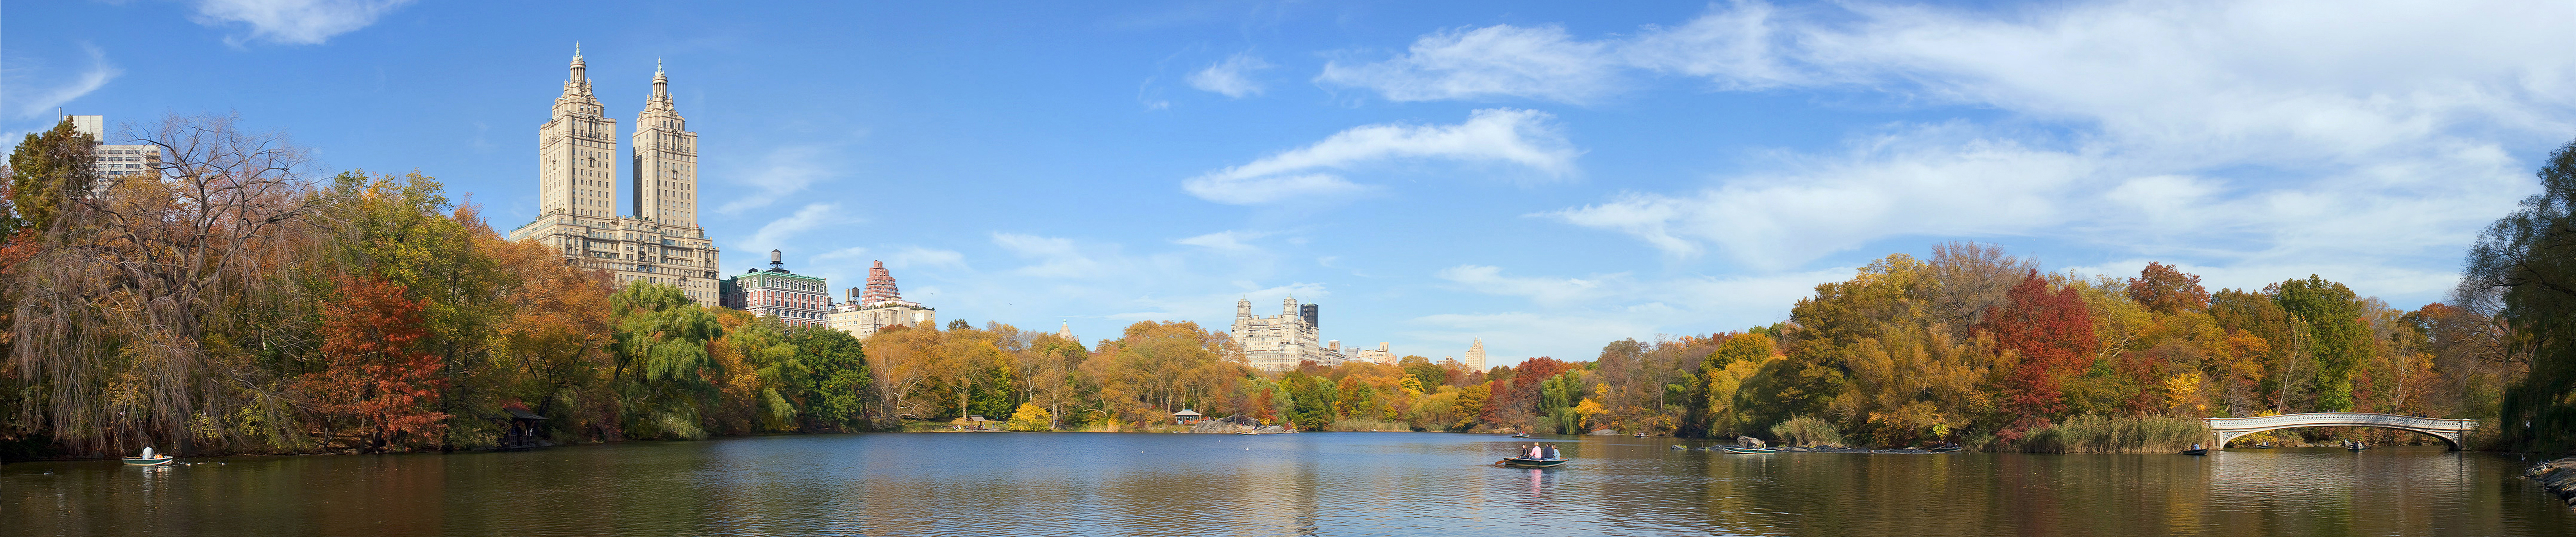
[
  {"x": 1571, "y": 317},
  {"x": 2257, "y": 133},
  {"x": 42, "y": 103},
  {"x": 1226, "y": 241},
  {"x": 1833, "y": 203},
  {"x": 294, "y": 22},
  {"x": 775, "y": 234},
  {"x": 1056, "y": 257},
  {"x": 787, "y": 170},
  {"x": 1231, "y": 77},
  {"x": 1544, "y": 291},
  {"x": 1502, "y": 60},
  {"x": 1524, "y": 138}
]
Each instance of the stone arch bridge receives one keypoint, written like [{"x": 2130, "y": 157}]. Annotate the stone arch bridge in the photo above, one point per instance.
[{"x": 2449, "y": 430}]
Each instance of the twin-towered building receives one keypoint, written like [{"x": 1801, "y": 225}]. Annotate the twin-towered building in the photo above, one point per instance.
[
  {"x": 654, "y": 236},
  {"x": 650, "y": 233}
]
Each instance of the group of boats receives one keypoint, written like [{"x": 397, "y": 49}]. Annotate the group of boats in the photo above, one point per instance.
[
  {"x": 1547, "y": 456},
  {"x": 2348, "y": 445}
]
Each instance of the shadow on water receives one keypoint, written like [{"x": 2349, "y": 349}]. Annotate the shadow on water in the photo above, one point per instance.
[{"x": 1311, "y": 484}]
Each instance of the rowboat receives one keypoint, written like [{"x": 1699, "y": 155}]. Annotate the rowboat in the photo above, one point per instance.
[
  {"x": 1524, "y": 462},
  {"x": 1947, "y": 449},
  {"x": 1247, "y": 433},
  {"x": 1748, "y": 450},
  {"x": 2203, "y": 451},
  {"x": 151, "y": 459},
  {"x": 1520, "y": 435}
]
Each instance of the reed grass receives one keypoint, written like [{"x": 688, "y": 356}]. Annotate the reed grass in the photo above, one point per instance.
[
  {"x": 2118, "y": 434},
  {"x": 1808, "y": 431}
]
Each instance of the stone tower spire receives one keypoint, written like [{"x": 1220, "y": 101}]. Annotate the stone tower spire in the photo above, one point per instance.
[
  {"x": 665, "y": 170},
  {"x": 1065, "y": 331},
  {"x": 577, "y": 151},
  {"x": 880, "y": 286}
]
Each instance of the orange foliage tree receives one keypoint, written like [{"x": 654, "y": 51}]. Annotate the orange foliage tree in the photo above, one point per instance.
[{"x": 376, "y": 385}]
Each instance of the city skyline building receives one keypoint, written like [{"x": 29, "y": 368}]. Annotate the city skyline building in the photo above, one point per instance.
[
  {"x": 880, "y": 306},
  {"x": 1279, "y": 343},
  {"x": 795, "y": 299},
  {"x": 114, "y": 162},
  {"x": 577, "y": 183}
]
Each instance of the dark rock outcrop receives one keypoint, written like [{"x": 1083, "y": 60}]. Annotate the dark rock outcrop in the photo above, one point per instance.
[{"x": 2559, "y": 476}]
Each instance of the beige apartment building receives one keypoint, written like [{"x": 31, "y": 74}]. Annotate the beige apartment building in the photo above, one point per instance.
[{"x": 655, "y": 236}]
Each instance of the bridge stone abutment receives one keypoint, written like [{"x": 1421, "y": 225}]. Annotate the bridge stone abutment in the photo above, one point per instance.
[{"x": 2452, "y": 431}]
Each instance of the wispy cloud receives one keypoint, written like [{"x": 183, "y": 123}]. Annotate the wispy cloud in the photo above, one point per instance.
[
  {"x": 293, "y": 22},
  {"x": 1907, "y": 183},
  {"x": 1226, "y": 241},
  {"x": 2245, "y": 129},
  {"x": 1055, "y": 257},
  {"x": 1502, "y": 60},
  {"x": 44, "y": 97},
  {"x": 1231, "y": 77},
  {"x": 1568, "y": 317},
  {"x": 785, "y": 171},
  {"x": 775, "y": 234},
  {"x": 1522, "y": 138}
]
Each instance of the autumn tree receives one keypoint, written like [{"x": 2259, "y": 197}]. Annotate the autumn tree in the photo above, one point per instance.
[
  {"x": 376, "y": 383},
  {"x": 2164, "y": 289},
  {"x": 2050, "y": 337}
]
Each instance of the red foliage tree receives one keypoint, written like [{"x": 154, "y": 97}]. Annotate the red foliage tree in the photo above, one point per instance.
[
  {"x": 1519, "y": 393},
  {"x": 374, "y": 378},
  {"x": 2052, "y": 332}
]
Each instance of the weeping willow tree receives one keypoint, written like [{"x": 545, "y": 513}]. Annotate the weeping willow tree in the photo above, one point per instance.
[
  {"x": 122, "y": 332},
  {"x": 2523, "y": 269},
  {"x": 663, "y": 362}
]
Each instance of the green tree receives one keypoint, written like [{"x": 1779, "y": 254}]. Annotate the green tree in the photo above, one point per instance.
[
  {"x": 662, "y": 360},
  {"x": 2340, "y": 340},
  {"x": 2523, "y": 269},
  {"x": 47, "y": 173}
]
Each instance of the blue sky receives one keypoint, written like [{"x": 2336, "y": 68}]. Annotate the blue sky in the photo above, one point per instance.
[{"x": 1545, "y": 176}]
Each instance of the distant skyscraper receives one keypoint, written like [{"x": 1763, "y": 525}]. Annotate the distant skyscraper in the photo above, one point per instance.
[
  {"x": 1475, "y": 360},
  {"x": 577, "y": 191},
  {"x": 881, "y": 306}
]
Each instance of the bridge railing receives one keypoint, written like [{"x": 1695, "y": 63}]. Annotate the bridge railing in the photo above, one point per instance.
[{"x": 2340, "y": 418}]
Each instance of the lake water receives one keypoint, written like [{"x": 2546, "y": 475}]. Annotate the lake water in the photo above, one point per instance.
[{"x": 1316, "y": 483}]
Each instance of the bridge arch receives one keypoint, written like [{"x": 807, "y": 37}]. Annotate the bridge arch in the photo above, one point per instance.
[{"x": 2452, "y": 431}]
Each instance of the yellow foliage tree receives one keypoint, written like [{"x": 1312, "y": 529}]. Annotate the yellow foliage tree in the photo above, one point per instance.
[{"x": 1032, "y": 418}]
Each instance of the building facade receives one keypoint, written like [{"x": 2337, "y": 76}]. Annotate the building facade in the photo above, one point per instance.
[
  {"x": 1378, "y": 355},
  {"x": 1279, "y": 343},
  {"x": 577, "y": 182},
  {"x": 114, "y": 163},
  {"x": 882, "y": 306},
  {"x": 1475, "y": 360},
  {"x": 795, "y": 299},
  {"x": 879, "y": 307}
]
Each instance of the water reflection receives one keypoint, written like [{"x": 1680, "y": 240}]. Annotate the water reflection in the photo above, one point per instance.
[{"x": 1309, "y": 484}]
